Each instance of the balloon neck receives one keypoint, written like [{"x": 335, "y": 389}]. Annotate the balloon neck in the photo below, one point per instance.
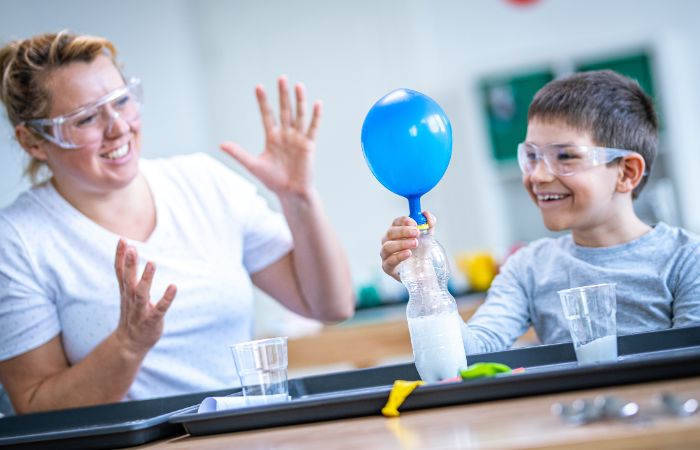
[{"x": 416, "y": 213}]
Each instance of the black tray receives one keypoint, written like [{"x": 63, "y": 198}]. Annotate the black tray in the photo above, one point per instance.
[
  {"x": 549, "y": 368},
  {"x": 98, "y": 427}
]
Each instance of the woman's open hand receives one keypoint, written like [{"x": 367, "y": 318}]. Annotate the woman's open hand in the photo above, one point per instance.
[
  {"x": 140, "y": 321},
  {"x": 286, "y": 164}
]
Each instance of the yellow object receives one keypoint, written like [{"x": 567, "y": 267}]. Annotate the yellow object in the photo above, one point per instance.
[
  {"x": 398, "y": 394},
  {"x": 480, "y": 268}
]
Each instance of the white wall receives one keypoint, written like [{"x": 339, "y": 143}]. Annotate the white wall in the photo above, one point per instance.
[
  {"x": 351, "y": 53},
  {"x": 201, "y": 59}
]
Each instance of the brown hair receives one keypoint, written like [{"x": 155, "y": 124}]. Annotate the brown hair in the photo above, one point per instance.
[
  {"x": 26, "y": 64},
  {"x": 611, "y": 107}
]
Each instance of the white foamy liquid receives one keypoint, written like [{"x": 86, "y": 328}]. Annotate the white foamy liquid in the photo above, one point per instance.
[
  {"x": 437, "y": 346},
  {"x": 599, "y": 350}
]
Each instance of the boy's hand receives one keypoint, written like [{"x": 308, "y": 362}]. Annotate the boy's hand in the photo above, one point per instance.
[{"x": 400, "y": 238}]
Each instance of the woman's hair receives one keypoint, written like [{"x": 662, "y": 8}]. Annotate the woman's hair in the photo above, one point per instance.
[{"x": 26, "y": 65}]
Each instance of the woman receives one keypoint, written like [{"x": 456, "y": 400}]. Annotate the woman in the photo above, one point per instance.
[{"x": 73, "y": 333}]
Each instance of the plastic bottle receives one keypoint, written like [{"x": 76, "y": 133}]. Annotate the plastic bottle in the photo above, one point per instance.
[{"x": 433, "y": 320}]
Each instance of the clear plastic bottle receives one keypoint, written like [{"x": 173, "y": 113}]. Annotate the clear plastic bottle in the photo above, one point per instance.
[{"x": 433, "y": 320}]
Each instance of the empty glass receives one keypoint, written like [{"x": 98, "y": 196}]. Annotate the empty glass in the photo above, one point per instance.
[{"x": 262, "y": 368}]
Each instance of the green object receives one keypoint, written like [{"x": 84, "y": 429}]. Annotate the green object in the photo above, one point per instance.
[
  {"x": 483, "y": 369},
  {"x": 636, "y": 65},
  {"x": 506, "y": 101},
  {"x": 506, "y": 98},
  {"x": 368, "y": 296}
]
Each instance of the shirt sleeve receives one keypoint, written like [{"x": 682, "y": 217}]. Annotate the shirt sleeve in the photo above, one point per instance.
[
  {"x": 266, "y": 235},
  {"x": 504, "y": 316},
  {"x": 28, "y": 317},
  {"x": 686, "y": 298}
]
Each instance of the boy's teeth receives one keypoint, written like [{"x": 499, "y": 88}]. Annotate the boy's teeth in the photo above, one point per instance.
[
  {"x": 550, "y": 197},
  {"x": 118, "y": 153}
]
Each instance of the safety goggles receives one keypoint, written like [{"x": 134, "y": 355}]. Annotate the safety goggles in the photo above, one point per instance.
[
  {"x": 87, "y": 124},
  {"x": 566, "y": 159}
]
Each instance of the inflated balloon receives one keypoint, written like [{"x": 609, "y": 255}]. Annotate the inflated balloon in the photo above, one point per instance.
[{"x": 407, "y": 143}]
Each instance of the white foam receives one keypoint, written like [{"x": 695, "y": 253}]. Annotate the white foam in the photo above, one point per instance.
[
  {"x": 599, "y": 350},
  {"x": 437, "y": 346}
]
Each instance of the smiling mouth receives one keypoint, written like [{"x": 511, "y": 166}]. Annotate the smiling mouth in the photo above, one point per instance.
[
  {"x": 117, "y": 153},
  {"x": 551, "y": 197}
]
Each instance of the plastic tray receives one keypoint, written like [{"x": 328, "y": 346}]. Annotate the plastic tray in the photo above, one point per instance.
[
  {"x": 98, "y": 427},
  {"x": 550, "y": 368}
]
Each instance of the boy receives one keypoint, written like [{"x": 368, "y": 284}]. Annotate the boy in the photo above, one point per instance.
[{"x": 591, "y": 141}]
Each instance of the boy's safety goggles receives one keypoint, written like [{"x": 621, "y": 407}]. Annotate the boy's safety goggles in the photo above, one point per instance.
[
  {"x": 87, "y": 124},
  {"x": 566, "y": 159}
]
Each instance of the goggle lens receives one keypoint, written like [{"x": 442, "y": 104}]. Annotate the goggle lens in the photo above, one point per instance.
[
  {"x": 565, "y": 160},
  {"x": 87, "y": 124}
]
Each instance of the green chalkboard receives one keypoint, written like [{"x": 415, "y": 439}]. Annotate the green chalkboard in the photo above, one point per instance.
[
  {"x": 506, "y": 98},
  {"x": 636, "y": 66},
  {"x": 506, "y": 101}
]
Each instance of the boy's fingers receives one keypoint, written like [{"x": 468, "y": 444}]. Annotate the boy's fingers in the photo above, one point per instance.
[
  {"x": 391, "y": 247},
  {"x": 405, "y": 232},
  {"x": 397, "y": 233},
  {"x": 432, "y": 220},
  {"x": 389, "y": 264},
  {"x": 404, "y": 221}
]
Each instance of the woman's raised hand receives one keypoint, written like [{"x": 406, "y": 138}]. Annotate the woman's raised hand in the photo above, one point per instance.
[
  {"x": 286, "y": 164},
  {"x": 140, "y": 321}
]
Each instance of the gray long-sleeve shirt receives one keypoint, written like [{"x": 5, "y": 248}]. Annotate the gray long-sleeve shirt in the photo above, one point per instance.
[{"x": 657, "y": 277}]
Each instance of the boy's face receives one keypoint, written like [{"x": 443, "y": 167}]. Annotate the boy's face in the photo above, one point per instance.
[{"x": 579, "y": 202}]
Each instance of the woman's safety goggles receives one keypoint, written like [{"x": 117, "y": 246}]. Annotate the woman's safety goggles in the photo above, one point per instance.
[
  {"x": 87, "y": 124},
  {"x": 566, "y": 159}
]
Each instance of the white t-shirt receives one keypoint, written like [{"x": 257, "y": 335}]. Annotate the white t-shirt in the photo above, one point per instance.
[{"x": 213, "y": 230}]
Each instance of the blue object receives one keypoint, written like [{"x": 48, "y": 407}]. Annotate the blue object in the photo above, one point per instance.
[{"x": 407, "y": 143}]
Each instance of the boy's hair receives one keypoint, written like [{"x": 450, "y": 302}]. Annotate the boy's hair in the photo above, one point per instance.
[
  {"x": 611, "y": 107},
  {"x": 26, "y": 64}
]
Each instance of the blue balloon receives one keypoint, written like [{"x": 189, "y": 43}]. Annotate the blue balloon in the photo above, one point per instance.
[{"x": 407, "y": 143}]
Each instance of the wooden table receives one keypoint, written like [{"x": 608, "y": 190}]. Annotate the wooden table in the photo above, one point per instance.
[{"x": 516, "y": 423}]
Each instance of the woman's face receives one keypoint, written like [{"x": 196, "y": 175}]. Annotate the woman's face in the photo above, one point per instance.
[{"x": 106, "y": 164}]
